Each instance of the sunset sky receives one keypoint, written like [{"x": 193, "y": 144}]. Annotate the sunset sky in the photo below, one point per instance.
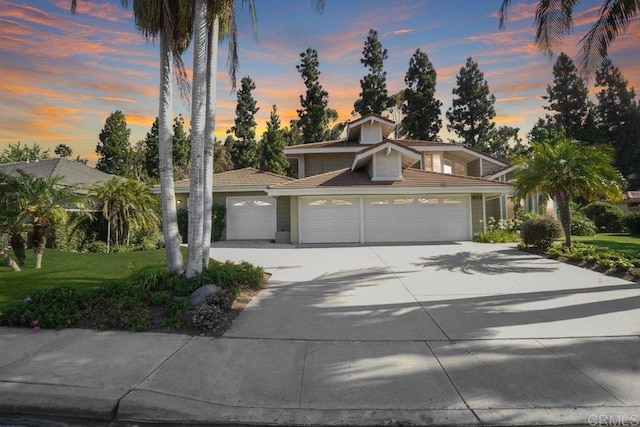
[{"x": 61, "y": 75}]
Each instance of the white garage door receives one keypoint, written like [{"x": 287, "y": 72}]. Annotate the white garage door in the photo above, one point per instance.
[
  {"x": 329, "y": 219},
  {"x": 416, "y": 218},
  {"x": 250, "y": 218}
]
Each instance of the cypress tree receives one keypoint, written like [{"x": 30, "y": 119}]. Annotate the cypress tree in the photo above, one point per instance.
[
  {"x": 272, "y": 157},
  {"x": 314, "y": 115},
  {"x": 114, "y": 149},
  {"x": 374, "y": 97},
  {"x": 421, "y": 110},
  {"x": 244, "y": 152},
  {"x": 471, "y": 115}
]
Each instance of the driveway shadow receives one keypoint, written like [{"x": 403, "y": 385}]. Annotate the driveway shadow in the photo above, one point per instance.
[{"x": 490, "y": 263}]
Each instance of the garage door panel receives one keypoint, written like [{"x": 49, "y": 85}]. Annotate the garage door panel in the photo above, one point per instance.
[
  {"x": 251, "y": 218},
  {"x": 416, "y": 219},
  {"x": 330, "y": 219}
]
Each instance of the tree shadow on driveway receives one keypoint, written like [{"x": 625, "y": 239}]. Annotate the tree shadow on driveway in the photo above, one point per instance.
[{"x": 491, "y": 263}]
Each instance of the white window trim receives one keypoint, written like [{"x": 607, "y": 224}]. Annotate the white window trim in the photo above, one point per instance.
[{"x": 375, "y": 176}]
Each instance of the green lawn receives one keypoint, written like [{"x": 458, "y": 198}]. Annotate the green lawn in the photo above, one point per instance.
[
  {"x": 74, "y": 270},
  {"x": 620, "y": 242}
]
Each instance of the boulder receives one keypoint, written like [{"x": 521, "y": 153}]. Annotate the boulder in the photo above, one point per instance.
[{"x": 199, "y": 296}]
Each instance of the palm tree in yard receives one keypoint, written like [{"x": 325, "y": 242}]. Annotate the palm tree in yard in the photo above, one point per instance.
[
  {"x": 43, "y": 203},
  {"x": 168, "y": 21},
  {"x": 127, "y": 205},
  {"x": 554, "y": 19},
  {"x": 564, "y": 169}
]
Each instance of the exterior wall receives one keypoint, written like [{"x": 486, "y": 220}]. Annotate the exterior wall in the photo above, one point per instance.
[
  {"x": 283, "y": 221},
  {"x": 181, "y": 200},
  {"x": 456, "y": 159},
  {"x": 493, "y": 208},
  {"x": 473, "y": 168},
  {"x": 316, "y": 164},
  {"x": 221, "y": 199},
  {"x": 370, "y": 133},
  {"x": 293, "y": 209},
  {"x": 489, "y": 167}
]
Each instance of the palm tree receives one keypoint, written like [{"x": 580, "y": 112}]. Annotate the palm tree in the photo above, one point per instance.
[
  {"x": 127, "y": 205},
  {"x": 43, "y": 203},
  {"x": 564, "y": 169},
  {"x": 554, "y": 19}
]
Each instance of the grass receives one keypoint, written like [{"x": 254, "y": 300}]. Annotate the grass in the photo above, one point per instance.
[
  {"x": 629, "y": 245},
  {"x": 80, "y": 271}
]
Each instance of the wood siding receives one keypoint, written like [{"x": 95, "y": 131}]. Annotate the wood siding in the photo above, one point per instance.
[{"x": 316, "y": 164}]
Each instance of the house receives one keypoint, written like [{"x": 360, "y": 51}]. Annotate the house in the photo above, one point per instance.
[
  {"x": 367, "y": 188},
  {"x": 630, "y": 201},
  {"x": 71, "y": 172}
]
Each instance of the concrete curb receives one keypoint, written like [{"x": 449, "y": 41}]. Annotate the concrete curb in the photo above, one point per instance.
[
  {"x": 154, "y": 408},
  {"x": 59, "y": 401}
]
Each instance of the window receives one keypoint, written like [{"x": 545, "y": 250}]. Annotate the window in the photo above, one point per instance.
[
  {"x": 428, "y": 201},
  {"x": 320, "y": 202},
  {"x": 380, "y": 202},
  {"x": 402, "y": 201},
  {"x": 428, "y": 162},
  {"x": 241, "y": 204},
  {"x": 261, "y": 203},
  {"x": 452, "y": 201},
  {"x": 447, "y": 166},
  {"x": 340, "y": 202}
]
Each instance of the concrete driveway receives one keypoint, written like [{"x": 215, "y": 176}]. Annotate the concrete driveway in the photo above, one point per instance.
[{"x": 458, "y": 291}]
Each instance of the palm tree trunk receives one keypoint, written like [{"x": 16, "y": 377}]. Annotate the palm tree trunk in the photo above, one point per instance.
[
  {"x": 39, "y": 242},
  {"x": 198, "y": 119},
  {"x": 165, "y": 156},
  {"x": 565, "y": 217},
  {"x": 209, "y": 139},
  {"x": 108, "y": 234},
  {"x": 7, "y": 259}
]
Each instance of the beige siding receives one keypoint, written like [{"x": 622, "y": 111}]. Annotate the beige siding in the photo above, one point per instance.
[
  {"x": 493, "y": 208},
  {"x": 284, "y": 215},
  {"x": 473, "y": 168},
  {"x": 316, "y": 164},
  {"x": 489, "y": 167},
  {"x": 294, "y": 218},
  {"x": 476, "y": 214},
  {"x": 454, "y": 158}
]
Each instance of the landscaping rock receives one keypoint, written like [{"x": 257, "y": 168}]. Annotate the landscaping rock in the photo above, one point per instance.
[{"x": 198, "y": 297}]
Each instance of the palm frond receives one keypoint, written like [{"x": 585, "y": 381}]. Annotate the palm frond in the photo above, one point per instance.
[
  {"x": 613, "y": 19},
  {"x": 502, "y": 13},
  {"x": 553, "y": 20}
]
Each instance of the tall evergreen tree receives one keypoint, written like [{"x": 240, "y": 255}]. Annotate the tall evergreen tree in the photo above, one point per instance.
[
  {"x": 181, "y": 149},
  {"x": 618, "y": 119},
  {"x": 150, "y": 150},
  {"x": 374, "y": 97},
  {"x": 471, "y": 115},
  {"x": 244, "y": 152},
  {"x": 272, "y": 157},
  {"x": 568, "y": 99},
  {"x": 63, "y": 151},
  {"x": 114, "y": 149},
  {"x": 314, "y": 115},
  {"x": 421, "y": 109}
]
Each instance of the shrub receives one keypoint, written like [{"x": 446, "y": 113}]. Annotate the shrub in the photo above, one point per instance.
[
  {"x": 540, "y": 231},
  {"x": 97, "y": 247},
  {"x": 495, "y": 237},
  {"x": 504, "y": 225},
  {"x": 607, "y": 217},
  {"x": 231, "y": 274},
  {"x": 581, "y": 225},
  {"x": 51, "y": 308},
  {"x": 218, "y": 213},
  {"x": 214, "y": 310},
  {"x": 632, "y": 222}
]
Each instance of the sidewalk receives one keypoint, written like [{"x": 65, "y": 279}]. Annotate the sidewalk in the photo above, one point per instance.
[{"x": 102, "y": 378}]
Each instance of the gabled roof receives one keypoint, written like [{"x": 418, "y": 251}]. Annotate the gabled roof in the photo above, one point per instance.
[
  {"x": 353, "y": 128},
  {"x": 347, "y": 181},
  {"x": 409, "y": 155},
  {"x": 248, "y": 179},
  {"x": 72, "y": 172}
]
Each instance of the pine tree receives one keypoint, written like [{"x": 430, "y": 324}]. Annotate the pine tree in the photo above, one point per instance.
[
  {"x": 114, "y": 149},
  {"x": 181, "y": 149},
  {"x": 568, "y": 99},
  {"x": 244, "y": 152},
  {"x": 421, "y": 110},
  {"x": 618, "y": 119},
  {"x": 374, "y": 97},
  {"x": 63, "y": 151},
  {"x": 472, "y": 113},
  {"x": 272, "y": 157},
  {"x": 150, "y": 144},
  {"x": 314, "y": 115}
]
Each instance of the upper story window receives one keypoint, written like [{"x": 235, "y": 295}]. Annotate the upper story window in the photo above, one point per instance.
[{"x": 447, "y": 166}]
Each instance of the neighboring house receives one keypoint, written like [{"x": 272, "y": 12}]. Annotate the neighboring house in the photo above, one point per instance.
[
  {"x": 367, "y": 188},
  {"x": 630, "y": 201},
  {"x": 72, "y": 172}
]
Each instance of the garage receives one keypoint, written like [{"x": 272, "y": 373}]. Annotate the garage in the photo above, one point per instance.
[
  {"x": 251, "y": 218},
  {"x": 414, "y": 218},
  {"x": 330, "y": 219}
]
